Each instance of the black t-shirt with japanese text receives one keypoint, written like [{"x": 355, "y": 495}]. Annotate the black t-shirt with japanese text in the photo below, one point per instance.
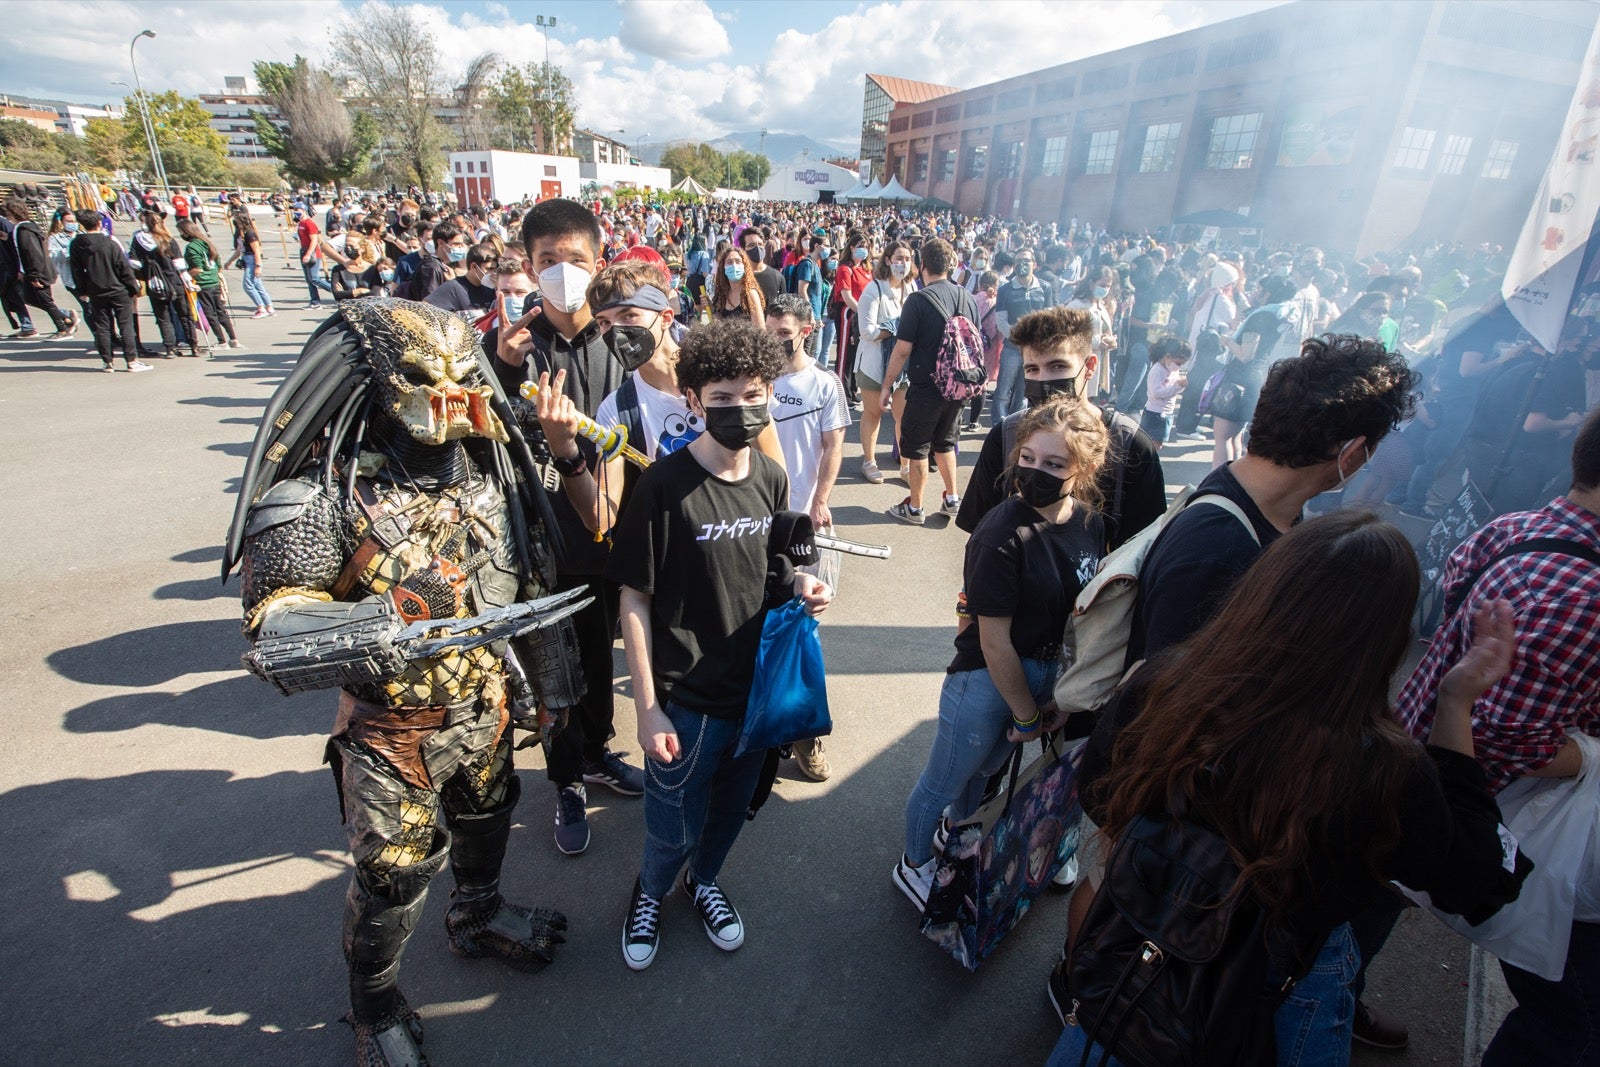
[
  {"x": 1026, "y": 568},
  {"x": 699, "y": 547}
]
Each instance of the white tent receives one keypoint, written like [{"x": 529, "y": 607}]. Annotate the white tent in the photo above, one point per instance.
[
  {"x": 871, "y": 192},
  {"x": 895, "y": 191},
  {"x": 733, "y": 194},
  {"x": 856, "y": 193},
  {"x": 689, "y": 185},
  {"x": 805, "y": 179}
]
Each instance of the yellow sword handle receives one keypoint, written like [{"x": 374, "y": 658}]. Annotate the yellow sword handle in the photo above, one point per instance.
[{"x": 612, "y": 442}]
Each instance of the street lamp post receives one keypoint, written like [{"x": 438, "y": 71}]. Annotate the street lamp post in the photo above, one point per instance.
[
  {"x": 144, "y": 110},
  {"x": 545, "y": 25}
]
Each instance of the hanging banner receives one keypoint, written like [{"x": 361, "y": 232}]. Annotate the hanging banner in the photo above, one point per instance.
[{"x": 1544, "y": 267}]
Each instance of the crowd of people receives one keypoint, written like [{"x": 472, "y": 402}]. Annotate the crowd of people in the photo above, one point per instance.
[{"x": 737, "y": 342}]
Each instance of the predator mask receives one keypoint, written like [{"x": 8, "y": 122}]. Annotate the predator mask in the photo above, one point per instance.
[{"x": 427, "y": 370}]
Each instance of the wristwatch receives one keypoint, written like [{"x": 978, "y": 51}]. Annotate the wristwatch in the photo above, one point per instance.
[{"x": 569, "y": 466}]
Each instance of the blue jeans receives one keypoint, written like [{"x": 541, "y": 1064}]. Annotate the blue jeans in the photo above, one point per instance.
[
  {"x": 969, "y": 748},
  {"x": 1312, "y": 1024},
  {"x": 695, "y": 806},
  {"x": 1555, "y": 1024},
  {"x": 1134, "y": 371},
  {"x": 1436, "y": 449},
  {"x": 1007, "y": 384},
  {"x": 252, "y": 283},
  {"x": 315, "y": 280},
  {"x": 825, "y": 346},
  {"x": 1157, "y": 425}
]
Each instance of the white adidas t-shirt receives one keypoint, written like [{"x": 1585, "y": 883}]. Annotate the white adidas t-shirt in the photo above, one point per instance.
[
  {"x": 805, "y": 405},
  {"x": 668, "y": 424}
]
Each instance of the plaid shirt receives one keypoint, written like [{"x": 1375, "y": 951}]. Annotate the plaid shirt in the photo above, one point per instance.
[{"x": 1553, "y": 686}]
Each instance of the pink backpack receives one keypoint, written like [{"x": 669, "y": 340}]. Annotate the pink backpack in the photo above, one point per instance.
[{"x": 958, "y": 369}]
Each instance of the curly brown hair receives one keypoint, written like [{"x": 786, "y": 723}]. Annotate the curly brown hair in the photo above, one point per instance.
[
  {"x": 1084, "y": 432},
  {"x": 1339, "y": 388},
  {"x": 725, "y": 349}
]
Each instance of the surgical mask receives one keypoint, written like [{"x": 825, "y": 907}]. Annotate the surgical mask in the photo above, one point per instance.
[
  {"x": 899, "y": 270},
  {"x": 734, "y": 271},
  {"x": 737, "y": 427},
  {"x": 858, "y": 254},
  {"x": 386, "y": 275},
  {"x": 1038, "y": 487},
  {"x": 1036, "y": 391},
  {"x": 564, "y": 286},
  {"x": 1101, "y": 292},
  {"x": 826, "y": 253},
  {"x": 457, "y": 253},
  {"x": 980, "y": 264},
  {"x": 633, "y": 345},
  {"x": 1343, "y": 477},
  {"x": 70, "y": 227},
  {"x": 515, "y": 306},
  {"x": 672, "y": 280},
  {"x": 832, "y": 264}
]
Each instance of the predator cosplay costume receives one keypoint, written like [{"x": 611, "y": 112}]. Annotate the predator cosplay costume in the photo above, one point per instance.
[{"x": 391, "y": 528}]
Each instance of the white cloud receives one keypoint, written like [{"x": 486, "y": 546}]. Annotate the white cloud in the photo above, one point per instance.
[
  {"x": 657, "y": 68},
  {"x": 672, "y": 29}
]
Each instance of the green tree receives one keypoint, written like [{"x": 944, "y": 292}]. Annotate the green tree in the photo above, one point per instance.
[
  {"x": 191, "y": 151},
  {"x": 392, "y": 60},
  {"x": 254, "y": 175},
  {"x": 314, "y": 134},
  {"x": 750, "y": 171},
  {"x": 537, "y": 98},
  {"x": 700, "y": 161},
  {"x": 14, "y": 133},
  {"x": 23, "y": 146},
  {"x": 107, "y": 143}
]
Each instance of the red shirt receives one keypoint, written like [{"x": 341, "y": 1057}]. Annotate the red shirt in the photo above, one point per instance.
[
  {"x": 1553, "y": 686},
  {"x": 180, "y": 206},
  {"x": 852, "y": 277},
  {"x": 307, "y": 231}
]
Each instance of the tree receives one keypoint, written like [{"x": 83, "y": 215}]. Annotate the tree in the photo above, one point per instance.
[
  {"x": 750, "y": 171},
  {"x": 393, "y": 61},
  {"x": 475, "y": 102},
  {"x": 318, "y": 140},
  {"x": 191, "y": 151},
  {"x": 107, "y": 142},
  {"x": 537, "y": 98},
  {"x": 699, "y": 161},
  {"x": 255, "y": 175}
]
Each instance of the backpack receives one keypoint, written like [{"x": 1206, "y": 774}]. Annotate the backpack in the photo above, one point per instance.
[
  {"x": 1171, "y": 966},
  {"x": 1094, "y": 648},
  {"x": 958, "y": 368}
]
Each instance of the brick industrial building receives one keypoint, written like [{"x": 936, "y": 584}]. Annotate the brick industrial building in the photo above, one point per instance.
[{"x": 1351, "y": 124}]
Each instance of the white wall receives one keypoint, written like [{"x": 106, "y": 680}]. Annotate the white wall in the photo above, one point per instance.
[
  {"x": 620, "y": 175},
  {"x": 513, "y": 175},
  {"x": 802, "y": 179}
]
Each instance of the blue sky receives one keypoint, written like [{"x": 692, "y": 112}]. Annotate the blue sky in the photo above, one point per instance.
[{"x": 666, "y": 68}]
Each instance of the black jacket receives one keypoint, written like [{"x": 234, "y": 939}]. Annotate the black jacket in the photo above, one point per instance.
[
  {"x": 35, "y": 256},
  {"x": 99, "y": 268}
]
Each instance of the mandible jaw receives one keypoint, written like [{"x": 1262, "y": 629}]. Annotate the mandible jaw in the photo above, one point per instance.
[{"x": 434, "y": 414}]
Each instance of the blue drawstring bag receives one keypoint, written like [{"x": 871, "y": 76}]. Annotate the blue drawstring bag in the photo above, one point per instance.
[{"x": 789, "y": 696}]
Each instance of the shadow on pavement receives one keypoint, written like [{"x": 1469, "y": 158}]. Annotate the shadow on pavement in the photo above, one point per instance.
[
  {"x": 154, "y": 655},
  {"x": 241, "y": 705}
]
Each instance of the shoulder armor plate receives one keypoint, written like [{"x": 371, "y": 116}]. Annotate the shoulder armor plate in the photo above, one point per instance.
[{"x": 283, "y": 503}]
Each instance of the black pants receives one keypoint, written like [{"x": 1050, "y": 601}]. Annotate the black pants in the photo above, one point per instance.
[
  {"x": 83, "y": 302},
  {"x": 174, "y": 321},
  {"x": 588, "y": 728},
  {"x": 43, "y": 298},
  {"x": 106, "y": 312},
  {"x": 11, "y": 296},
  {"x": 216, "y": 313}
]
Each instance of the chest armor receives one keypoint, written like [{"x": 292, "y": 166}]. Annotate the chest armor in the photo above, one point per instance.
[{"x": 400, "y": 532}]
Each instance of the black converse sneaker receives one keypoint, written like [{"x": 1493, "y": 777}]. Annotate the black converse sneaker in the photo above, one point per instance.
[
  {"x": 641, "y": 935},
  {"x": 721, "y": 921}
]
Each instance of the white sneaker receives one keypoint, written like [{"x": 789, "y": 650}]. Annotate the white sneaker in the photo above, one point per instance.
[
  {"x": 1067, "y": 875},
  {"x": 641, "y": 933},
  {"x": 138, "y": 365},
  {"x": 915, "y": 882},
  {"x": 721, "y": 920}
]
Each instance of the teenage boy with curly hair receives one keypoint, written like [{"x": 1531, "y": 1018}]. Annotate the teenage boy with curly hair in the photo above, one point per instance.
[{"x": 691, "y": 554}]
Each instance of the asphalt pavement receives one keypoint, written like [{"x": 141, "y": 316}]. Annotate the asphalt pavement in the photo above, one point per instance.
[{"x": 178, "y": 867}]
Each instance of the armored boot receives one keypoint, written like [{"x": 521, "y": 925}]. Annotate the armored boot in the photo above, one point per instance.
[
  {"x": 378, "y": 920},
  {"x": 481, "y": 922}
]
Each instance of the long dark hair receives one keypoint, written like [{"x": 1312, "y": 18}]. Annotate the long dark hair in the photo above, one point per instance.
[
  {"x": 192, "y": 232},
  {"x": 1272, "y": 724}
]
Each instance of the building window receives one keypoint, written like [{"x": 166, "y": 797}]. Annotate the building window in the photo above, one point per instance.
[
  {"x": 1049, "y": 92},
  {"x": 973, "y": 108},
  {"x": 921, "y": 118},
  {"x": 1012, "y": 99},
  {"x": 978, "y": 161},
  {"x": 1100, "y": 81},
  {"x": 950, "y": 113},
  {"x": 549, "y": 171},
  {"x": 900, "y": 125},
  {"x": 1160, "y": 148},
  {"x": 1453, "y": 160},
  {"x": 1233, "y": 141},
  {"x": 1415, "y": 147},
  {"x": 919, "y": 166},
  {"x": 947, "y": 164},
  {"x": 1011, "y": 160},
  {"x": 1172, "y": 65},
  {"x": 1101, "y": 156},
  {"x": 1240, "y": 51},
  {"x": 1497, "y": 165},
  {"x": 470, "y": 165},
  {"x": 1055, "y": 157}
]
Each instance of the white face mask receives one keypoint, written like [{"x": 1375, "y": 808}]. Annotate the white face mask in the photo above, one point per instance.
[
  {"x": 564, "y": 286},
  {"x": 1343, "y": 477}
]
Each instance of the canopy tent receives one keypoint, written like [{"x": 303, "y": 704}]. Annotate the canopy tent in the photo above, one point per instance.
[
  {"x": 689, "y": 185},
  {"x": 855, "y": 192},
  {"x": 873, "y": 191},
  {"x": 895, "y": 191}
]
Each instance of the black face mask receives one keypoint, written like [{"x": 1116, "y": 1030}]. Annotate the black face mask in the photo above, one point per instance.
[
  {"x": 632, "y": 345},
  {"x": 737, "y": 427},
  {"x": 1038, "y": 487},
  {"x": 1036, "y": 390},
  {"x": 755, "y": 254}
]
